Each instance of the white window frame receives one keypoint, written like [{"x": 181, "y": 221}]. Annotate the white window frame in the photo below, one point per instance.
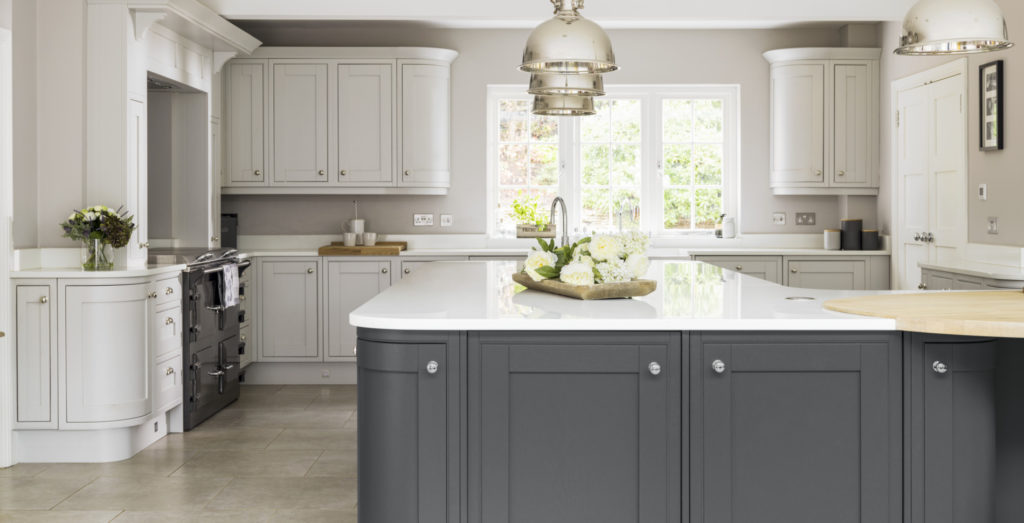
[{"x": 651, "y": 179}]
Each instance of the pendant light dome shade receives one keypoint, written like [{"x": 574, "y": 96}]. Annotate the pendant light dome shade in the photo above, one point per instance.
[
  {"x": 568, "y": 44},
  {"x": 563, "y": 105},
  {"x": 939, "y": 27},
  {"x": 566, "y": 84}
]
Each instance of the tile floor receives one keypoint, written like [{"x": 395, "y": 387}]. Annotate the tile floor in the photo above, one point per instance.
[{"x": 280, "y": 453}]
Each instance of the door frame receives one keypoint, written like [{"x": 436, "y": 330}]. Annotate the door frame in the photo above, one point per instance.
[
  {"x": 6, "y": 251},
  {"x": 948, "y": 70}
]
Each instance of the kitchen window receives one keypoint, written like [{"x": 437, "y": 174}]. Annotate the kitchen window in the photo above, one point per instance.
[{"x": 662, "y": 159}]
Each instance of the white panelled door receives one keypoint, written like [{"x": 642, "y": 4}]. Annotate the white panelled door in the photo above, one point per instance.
[
  {"x": 931, "y": 178},
  {"x": 798, "y": 123},
  {"x": 299, "y": 122},
  {"x": 365, "y": 101}
]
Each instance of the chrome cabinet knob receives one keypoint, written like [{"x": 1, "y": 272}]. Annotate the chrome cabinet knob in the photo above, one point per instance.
[
  {"x": 343, "y": 172},
  {"x": 939, "y": 367},
  {"x": 322, "y": 172},
  {"x": 168, "y": 291},
  {"x": 718, "y": 366},
  {"x": 169, "y": 371},
  {"x": 793, "y": 270},
  {"x": 818, "y": 172},
  {"x": 929, "y": 237},
  {"x": 922, "y": 286},
  {"x": 309, "y": 270},
  {"x": 43, "y": 299},
  {"x": 257, "y": 172},
  {"x": 214, "y": 238},
  {"x": 169, "y": 321},
  {"x": 241, "y": 298},
  {"x": 917, "y": 237},
  {"x": 406, "y": 270},
  {"x": 407, "y": 172},
  {"x": 654, "y": 367},
  {"x": 431, "y": 367},
  {"x": 841, "y": 173},
  {"x": 384, "y": 270},
  {"x": 152, "y": 295},
  {"x": 144, "y": 245},
  {"x": 242, "y": 337}
]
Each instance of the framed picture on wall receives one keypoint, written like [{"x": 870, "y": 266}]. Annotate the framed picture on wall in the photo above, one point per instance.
[{"x": 991, "y": 115}]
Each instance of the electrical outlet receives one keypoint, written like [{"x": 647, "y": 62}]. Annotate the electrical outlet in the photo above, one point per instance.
[
  {"x": 993, "y": 225},
  {"x": 325, "y": 373},
  {"x": 779, "y": 218},
  {"x": 447, "y": 220},
  {"x": 423, "y": 220},
  {"x": 805, "y": 218},
  {"x": 983, "y": 191}
]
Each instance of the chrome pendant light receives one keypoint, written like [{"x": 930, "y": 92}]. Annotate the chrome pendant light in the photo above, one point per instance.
[
  {"x": 563, "y": 105},
  {"x": 568, "y": 44},
  {"x": 566, "y": 84},
  {"x": 941, "y": 27}
]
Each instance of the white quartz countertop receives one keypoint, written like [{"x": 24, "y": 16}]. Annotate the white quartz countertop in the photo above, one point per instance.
[
  {"x": 77, "y": 272},
  {"x": 654, "y": 253},
  {"x": 691, "y": 295},
  {"x": 780, "y": 252}
]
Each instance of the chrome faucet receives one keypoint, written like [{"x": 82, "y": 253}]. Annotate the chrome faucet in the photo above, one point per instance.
[{"x": 565, "y": 219}]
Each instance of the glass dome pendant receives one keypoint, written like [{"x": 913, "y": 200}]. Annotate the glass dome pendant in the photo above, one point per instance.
[
  {"x": 568, "y": 44},
  {"x": 943, "y": 27}
]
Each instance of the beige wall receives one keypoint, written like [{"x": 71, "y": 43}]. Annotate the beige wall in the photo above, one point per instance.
[
  {"x": 489, "y": 57},
  {"x": 49, "y": 113},
  {"x": 1003, "y": 171}
]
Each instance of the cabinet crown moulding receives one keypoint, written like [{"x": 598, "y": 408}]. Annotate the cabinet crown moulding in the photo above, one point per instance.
[
  {"x": 192, "y": 20},
  {"x": 386, "y": 53},
  {"x": 823, "y": 53}
]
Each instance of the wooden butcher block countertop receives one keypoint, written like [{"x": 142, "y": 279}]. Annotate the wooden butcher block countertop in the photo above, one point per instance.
[{"x": 984, "y": 313}]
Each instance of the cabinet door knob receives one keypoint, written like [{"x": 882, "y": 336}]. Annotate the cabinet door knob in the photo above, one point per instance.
[
  {"x": 169, "y": 290},
  {"x": 739, "y": 267},
  {"x": 718, "y": 366},
  {"x": 922, "y": 286},
  {"x": 408, "y": 172},
  {"x": 406, "y": 270},
  {"x": 384, "y": 270},
  {"x": 322, "y": 172},
  {"x": 431, "y": 367},
  {"x": 309, "y": 270},
  {"x": 939, "y": 367},
  {"x": 152, "y": 295},
  {"x": 168, "y": 321},
  {"x": 793, "y": 270},
  {"x": 144, "y": 245},
  {"x": 818, "y": 172},
  {"x": 343, "y": 172},
  {"x": 43, "y": 299},
  {"x": 257, "y": 172},
  {"x": 242, "y": 337},
  {"x": 214, "y": 238},
  {"x": 654, "y": 368},
  {"x": 842, "y": 173},
  {"x": 917, "y": 237},
  {"x": 241, "y": 298},
  {"x": 169, "y": 371}
]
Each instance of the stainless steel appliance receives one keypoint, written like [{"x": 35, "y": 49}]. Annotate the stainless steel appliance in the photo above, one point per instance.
[{"x": 211, "y": 344}]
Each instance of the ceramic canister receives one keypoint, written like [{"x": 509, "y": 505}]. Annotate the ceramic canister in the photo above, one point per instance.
[
  {"x": 832, "y": 239},
  {"x": 869, "y": 240},
  {"x": 851, "y": 234}
]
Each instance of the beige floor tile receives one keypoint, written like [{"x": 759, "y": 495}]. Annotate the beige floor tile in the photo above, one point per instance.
[
  {"x": 23, "y": 470},
  {"x": 158, "y": 494},
  {"x": 286, "y": 494},
  {"x": 352, "y": 423},
  {"x": 241, "y": 463},
  {"x": 320, "y": 439},
  {"x": 335, "y": 463},
  {"x": 226, "y": 438},
  {"x": 317, "y": 516},
  {"x": 149, "y": 462},
  {"x": 37, "y": 493},
  {"x": 59, "y": 516},
  {"x": 252, "y": 390},
  {"x": 275, "y": 401},
  {"x": 292, "y": 418},
  {"x": 206, "y": 516}
]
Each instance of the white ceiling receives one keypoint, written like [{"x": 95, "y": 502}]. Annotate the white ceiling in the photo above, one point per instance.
[{"x": 609, "y": 13}]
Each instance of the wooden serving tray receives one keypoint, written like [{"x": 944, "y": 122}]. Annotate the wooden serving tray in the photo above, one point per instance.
[
  {"x": 600, "y": 291},
  {"x": 380, "y": 249}
]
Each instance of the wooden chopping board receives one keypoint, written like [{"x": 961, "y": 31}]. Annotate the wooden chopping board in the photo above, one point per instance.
[
  {"x": 984, "y": 313},
  {"x": 602, "y": 291},
  {"x": 380, "y": 249}
]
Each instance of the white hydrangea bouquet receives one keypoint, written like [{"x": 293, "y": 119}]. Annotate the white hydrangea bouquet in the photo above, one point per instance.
[{"x": 588, "y": 268}]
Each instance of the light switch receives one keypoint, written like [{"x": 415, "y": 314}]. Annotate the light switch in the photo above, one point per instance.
[{"x": 983, "y": 191}]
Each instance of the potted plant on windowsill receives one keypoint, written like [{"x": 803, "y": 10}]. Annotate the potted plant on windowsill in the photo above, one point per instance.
[
  {"x": 100, "y": 229},
  {"x": 529, "y": 221}
]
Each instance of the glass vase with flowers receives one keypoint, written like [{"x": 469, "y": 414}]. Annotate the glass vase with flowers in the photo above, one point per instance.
[{"x": 100, "y": 229}]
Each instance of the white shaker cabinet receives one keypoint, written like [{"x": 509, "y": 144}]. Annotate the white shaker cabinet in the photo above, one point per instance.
[
  {"x": 824, "y": 121},
  {"x": 366, "y": 124},
  {"x": 288, "y": 309},
  {"x": 35, "y": 349},
  {"x": 425, "y": 124},
  {"x": 245, "y": 107},
  {"x": 849, "y": 275},
  {"x": 105, "y": 376},
  {"x": 348, "y": 285},
  {"x": 298, "y": 129}
]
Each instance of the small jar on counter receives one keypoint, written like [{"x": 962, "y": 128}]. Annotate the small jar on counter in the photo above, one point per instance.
[{"x": 833, "y": 239}]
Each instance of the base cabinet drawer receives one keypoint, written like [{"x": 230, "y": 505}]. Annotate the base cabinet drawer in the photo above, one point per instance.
[
  {"x": 165, "y": 327},
  {"x": 167, "y": 383},
  {"x": 764, "y": 267},
  {"x": 828, "y": 274}
]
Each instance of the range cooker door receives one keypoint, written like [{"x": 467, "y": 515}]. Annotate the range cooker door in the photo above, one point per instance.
[
  {"x": 208, "y": 319},
  {"x": 204, "y": 382}
]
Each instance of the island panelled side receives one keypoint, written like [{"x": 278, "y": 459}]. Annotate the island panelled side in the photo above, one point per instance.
[{"x": 701, "y": 427}]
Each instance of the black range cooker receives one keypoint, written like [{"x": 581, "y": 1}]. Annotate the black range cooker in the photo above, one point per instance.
[{"x": 211, "y": 344}]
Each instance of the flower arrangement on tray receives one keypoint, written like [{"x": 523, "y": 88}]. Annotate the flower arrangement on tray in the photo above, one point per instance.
[
  {"x": 605, "y": 266},
  {"x": 99, "y": 228}
]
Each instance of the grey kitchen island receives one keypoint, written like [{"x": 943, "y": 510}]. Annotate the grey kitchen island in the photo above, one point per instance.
[{"x": 718, "y": 398}]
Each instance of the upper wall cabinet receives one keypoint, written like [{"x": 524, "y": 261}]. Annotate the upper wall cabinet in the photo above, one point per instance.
[
  {"x": 824, "y": 121},
  {"x": 364, "y": 120}
]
